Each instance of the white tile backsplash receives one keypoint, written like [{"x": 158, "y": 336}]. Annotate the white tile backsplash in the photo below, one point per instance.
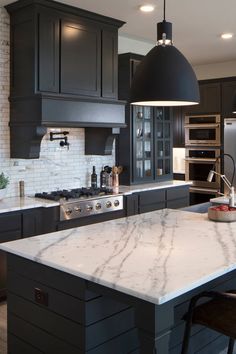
[{"x": 57, "y": 167}]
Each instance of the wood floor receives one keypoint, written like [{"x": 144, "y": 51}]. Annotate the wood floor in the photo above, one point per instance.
[{"x": 3, "y": 330}]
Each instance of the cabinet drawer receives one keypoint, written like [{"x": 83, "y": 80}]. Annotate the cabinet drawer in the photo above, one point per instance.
[
  {"x": 177, "y": 193},
  {"x": 152, "y": 197},
  {"x": 10, "y": 222}
]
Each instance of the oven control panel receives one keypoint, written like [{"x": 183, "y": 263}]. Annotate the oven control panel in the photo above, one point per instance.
[{"x": 93, "y": 206}]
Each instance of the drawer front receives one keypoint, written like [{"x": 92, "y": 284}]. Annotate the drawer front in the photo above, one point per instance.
[{"x": 177, "y": 193}]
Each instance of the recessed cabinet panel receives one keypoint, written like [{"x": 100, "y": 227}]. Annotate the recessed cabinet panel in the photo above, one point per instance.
[
  {"x": 80, "y": 59},
  {"x": 109, "y": 64},
  {"x": 48, "y": 54},
  {"x": 210, "y": 99},
  {"x": 228, "y": 96}
]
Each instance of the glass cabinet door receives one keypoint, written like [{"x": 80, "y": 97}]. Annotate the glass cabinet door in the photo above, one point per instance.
[
  {"x": 163, "y": 149},
  {"x": 143, "y": 143}
]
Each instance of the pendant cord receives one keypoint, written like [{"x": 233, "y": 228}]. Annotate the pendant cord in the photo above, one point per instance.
[{"x": 164, "y": 10}]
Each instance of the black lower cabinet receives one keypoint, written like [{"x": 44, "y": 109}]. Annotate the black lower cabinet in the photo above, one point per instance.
[
  {"x": 39, "y": 221},
  {"x": 10, "y": 230},
  {"x": 24, "y": 223},
  {"x": 50, "y": 311},
  {"x": 143, "y": 202}
]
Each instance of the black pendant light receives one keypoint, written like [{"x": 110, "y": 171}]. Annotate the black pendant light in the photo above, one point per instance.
[
  {"x": 164, "y": 76},
  {"x": 234, "y": 104}
]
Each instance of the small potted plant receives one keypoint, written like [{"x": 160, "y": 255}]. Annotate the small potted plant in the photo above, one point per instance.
[{"x": 4, "y": 180}]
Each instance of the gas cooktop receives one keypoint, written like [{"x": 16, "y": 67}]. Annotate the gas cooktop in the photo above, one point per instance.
[{"x": 75, "y": 193}]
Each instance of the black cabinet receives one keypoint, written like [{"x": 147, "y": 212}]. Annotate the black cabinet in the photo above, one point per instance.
[
  {"x": 210, "y": 99},
  {"x": 71, "y": 56},
  {"x": 80, "y": 58},
  {"x": 228, "y": 95},
  {"x": 39, "y": 221},
  {"x": 25, "y": 223},
  {"x": 178, "y": 127},
  {"x": 10, "y": 230},
  {"x": 146, "y": 201},
  {"x": 145, "y": 146},
  {"x": 48, "y": 52}
]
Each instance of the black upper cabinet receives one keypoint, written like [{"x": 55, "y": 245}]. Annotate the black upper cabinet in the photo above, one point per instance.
[
  {"x": 48, "y": 52},
  {"x": 145, "y": 146},
  {"x": 210, "y": 99},
  {"x": 178, "y": 127},
  {"x": 109, "y": 63},
  {"x": 228, "y": 94},
  {"x": 64, "y": 68},
  {"x": 80, "y": 58}
]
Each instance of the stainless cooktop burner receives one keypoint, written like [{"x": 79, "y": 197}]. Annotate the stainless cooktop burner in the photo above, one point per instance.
[{"x": 81, "y": 202}]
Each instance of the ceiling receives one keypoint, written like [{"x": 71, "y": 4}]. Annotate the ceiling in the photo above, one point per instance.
[{"x": 197, "y": 24}]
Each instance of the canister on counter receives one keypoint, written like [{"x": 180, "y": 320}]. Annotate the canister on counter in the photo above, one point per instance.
[{"x": 22, "y": 188}]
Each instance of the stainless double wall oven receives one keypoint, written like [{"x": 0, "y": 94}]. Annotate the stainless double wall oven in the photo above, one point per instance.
[{"x": 203, "y": 146}]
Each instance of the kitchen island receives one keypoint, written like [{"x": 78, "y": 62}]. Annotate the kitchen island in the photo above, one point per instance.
[{"x": 117, "y": 287}]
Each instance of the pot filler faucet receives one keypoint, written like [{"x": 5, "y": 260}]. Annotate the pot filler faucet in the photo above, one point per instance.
[{"x": 224, "y": 178}]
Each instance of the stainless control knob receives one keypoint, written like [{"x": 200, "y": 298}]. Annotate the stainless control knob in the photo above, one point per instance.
[
  {"x": 98, "y": 206},
  {"x": 78, "y": 209},
  {"x": 116, "y": 203},
  {"x": 108, "y": 204},
  {"x": 68, "y": 211},
  {"x": 89, "y": 207}
]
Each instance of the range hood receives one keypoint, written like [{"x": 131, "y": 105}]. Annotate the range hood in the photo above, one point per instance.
[
  {"x": 63, "y": 74},
  {"x": 30, "y": 118}
]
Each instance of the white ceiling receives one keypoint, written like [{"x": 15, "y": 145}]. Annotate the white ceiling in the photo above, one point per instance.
[{"x": 197, "y": 24}]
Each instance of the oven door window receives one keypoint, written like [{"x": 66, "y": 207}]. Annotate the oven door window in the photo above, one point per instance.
[
  {"x": 200, "y": 171},
  {"x": 202, "y": 134}
]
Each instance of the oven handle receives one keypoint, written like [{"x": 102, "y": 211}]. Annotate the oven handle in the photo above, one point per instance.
[
  {"x": 204, "y": 190},
  {"x": 200, "y": 159},
  {"x": 209, "y": 125}
]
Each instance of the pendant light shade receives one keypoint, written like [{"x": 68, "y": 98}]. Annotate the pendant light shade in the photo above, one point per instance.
[
  {"x": 234, "y": 104},
  {"x": 164, "y": 77}
]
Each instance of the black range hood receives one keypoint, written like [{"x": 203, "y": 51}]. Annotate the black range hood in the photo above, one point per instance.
[{"x": 63, "y": 74}]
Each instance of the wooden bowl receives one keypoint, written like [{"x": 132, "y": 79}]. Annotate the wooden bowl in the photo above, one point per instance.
[{"x": 222, "y": 215}]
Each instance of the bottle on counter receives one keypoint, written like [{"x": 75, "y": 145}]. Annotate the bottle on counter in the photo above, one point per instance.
[
  {"x": 103, "y": 178},
  {"x": 94, "y": 178}
]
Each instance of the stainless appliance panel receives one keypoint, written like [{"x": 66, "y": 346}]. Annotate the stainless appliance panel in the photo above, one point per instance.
[
  {"x": 202, "y": 130},
  {"x": 198, "y": 163},
  {"x": 88, "y": 207},
  {"x": 202, "y": 195}
]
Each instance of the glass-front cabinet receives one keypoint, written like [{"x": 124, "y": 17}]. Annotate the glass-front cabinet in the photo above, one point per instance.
[
  {"x": 152, "y": 157},
  {"x": 144, "y": 148}
]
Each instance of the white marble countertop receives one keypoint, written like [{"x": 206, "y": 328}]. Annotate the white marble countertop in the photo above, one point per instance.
[
  {"x": 17, "y": 203},
  {"x": 154, "y": 256},
  {"x": 151, "y": 186}
]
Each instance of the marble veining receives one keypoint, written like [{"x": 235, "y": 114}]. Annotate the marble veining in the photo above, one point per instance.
[{"x": 153, "y": 256}]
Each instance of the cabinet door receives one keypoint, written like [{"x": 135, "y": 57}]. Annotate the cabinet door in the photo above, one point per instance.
[
  {"x": 178, "y": 127},
  {"x": 80, "y": 58},
  {"x": 143, "y": 144},
  {"x": 132, "y": 204},
  {"x": 163, "y": 143},
  {"x": 109, "y": 64},
  {"x": 10, "y": 230},
  {"x": 152, "y": 200},
  {"x": 39, "y": 221},
  {"x": 210, "y": 99},
  {"x": 48, "y": 55},
  {"x": 228, "y": 95}
]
